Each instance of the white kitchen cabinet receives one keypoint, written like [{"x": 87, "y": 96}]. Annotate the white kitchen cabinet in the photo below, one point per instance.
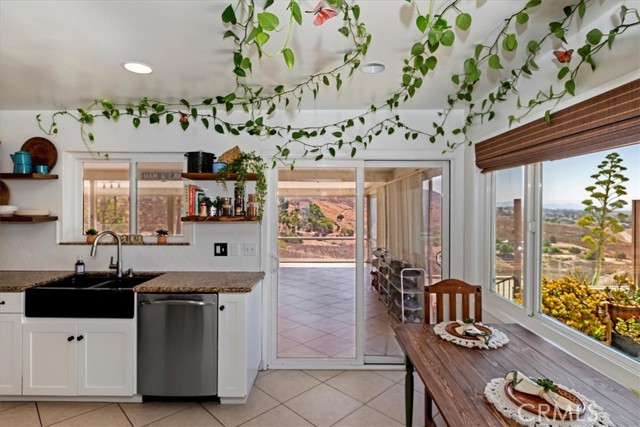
[
  {"x": 69, "y": 357},
  {"x": 11, "y": 307},
  {"x": 239, "y": 344}
]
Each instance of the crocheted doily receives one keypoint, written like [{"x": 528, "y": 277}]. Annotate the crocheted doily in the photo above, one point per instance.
[
  {"x": 498, "y": 338},
  {"x": 593, "y": 416}
]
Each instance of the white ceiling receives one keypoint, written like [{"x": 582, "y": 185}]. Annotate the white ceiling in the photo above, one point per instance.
[{"x": 64, "y": 54}]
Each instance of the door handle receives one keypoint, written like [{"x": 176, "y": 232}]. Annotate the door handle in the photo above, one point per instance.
[
  {"x": 80, "y": 338},
  {"x": 70, "y": 339},
  {"x": 176, "y": 302}
]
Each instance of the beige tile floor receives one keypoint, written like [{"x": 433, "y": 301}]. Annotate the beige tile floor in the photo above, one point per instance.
[
  {"x": 279, "y": 398},
  {"x": 316, "y": 307}
]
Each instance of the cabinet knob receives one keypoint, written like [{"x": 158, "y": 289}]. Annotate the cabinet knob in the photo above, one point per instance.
[
  {"x": 2, "y": 302},
  {"x": 80, "y": 338},
  {"x": 222, "y": 308},
  {"x": 70, "y": 339}
]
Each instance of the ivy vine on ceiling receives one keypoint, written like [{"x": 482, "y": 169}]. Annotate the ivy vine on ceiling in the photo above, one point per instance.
[{"x": 250, "y": 29}]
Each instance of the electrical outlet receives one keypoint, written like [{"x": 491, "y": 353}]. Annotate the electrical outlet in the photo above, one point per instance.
[
  {"x": 250, "y": 249},
  {"x": 219, "y": 249}
]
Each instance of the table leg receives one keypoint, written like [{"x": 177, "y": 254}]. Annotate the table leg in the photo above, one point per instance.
[
  {"x": 408, "y": 392},
  {"x": 428, "y": 409}
]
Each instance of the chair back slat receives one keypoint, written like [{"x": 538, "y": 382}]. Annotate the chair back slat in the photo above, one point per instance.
[{"x": 451, "y": 288}]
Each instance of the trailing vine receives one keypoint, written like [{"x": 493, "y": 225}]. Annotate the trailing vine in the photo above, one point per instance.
[{"x": 249, "y": 28}]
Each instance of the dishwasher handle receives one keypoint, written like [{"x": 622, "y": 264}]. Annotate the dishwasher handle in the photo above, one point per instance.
[{"x": 176, "y": 302}]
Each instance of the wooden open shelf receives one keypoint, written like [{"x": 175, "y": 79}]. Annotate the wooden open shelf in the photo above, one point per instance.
[
  {"x": 221, "y": 218},
  {"x": 27, "y": 176},
  {"x": 216, "y": 176},
  {"x": 29, "y": 219}
]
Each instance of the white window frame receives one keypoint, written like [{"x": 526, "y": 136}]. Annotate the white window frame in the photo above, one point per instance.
[
  {"x": 610, "y": 362},
  {"x": 71, "y": 224}
]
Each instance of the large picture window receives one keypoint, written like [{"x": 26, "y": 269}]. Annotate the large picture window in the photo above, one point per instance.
[{"x": 587, "y": 246}]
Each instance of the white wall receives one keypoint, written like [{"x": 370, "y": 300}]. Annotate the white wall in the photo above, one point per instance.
[{"x": 35, "y": 246}]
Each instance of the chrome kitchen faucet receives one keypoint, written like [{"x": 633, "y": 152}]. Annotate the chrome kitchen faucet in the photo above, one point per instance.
[{"x": 94, "y": 249}]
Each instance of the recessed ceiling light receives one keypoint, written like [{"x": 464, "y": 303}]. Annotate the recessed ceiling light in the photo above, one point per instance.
[
  {"x": 372, "y": 68},
  {"x": 137, "y": 67}
]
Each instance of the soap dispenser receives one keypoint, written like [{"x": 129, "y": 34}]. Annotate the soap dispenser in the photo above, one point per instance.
[{"x": 79, "y": 267}]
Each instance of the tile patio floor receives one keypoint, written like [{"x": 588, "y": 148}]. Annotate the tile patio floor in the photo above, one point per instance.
[
  {"x": 316, "y": 314},
  {"x": 279, "y": 398}
]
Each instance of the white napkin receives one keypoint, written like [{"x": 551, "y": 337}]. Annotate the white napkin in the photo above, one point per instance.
[{"x": 528, "y": 386}]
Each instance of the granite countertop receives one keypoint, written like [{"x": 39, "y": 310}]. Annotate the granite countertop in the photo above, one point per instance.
[{"x": 169, "y": 282}]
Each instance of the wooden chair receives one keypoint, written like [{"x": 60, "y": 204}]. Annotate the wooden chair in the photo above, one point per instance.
[
  {"x": 453, "y": 287},
  {"x": 450, "y": 287}
]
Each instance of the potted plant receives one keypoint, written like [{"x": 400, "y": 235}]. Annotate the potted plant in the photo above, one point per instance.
[
  {"x": 162, "y": 236},
  {"x": 243, "y": 165},
  {"x": 624, "y": 301},
  {"x": 91, "y": 235},
  {"x": 626, "y": 335}
]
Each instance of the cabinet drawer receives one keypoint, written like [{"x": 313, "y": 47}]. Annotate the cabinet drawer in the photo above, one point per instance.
[{"x": 11, "y": 302}]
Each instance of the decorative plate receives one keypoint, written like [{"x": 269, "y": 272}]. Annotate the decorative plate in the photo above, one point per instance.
[
  {"x": 538, "y": 406},
  {"x": 4, "y": 194},
  {"x": 42, "y": 151},
  {"x": 451, "y": 328}
]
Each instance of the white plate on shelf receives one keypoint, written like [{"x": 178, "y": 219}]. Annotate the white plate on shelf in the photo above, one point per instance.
[{"x": 31, "y": 212}]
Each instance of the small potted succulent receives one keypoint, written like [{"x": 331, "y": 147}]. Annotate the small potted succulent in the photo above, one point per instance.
[
  {"x": 626, "y": 335},
  {"x": 91, "y": 235},
  {"x": 162, "y": 236}
]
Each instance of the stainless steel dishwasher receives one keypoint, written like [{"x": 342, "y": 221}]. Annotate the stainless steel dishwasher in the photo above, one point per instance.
[{"x": 177, "y": 344}]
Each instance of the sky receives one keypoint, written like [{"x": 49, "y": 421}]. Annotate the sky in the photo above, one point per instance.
[{"x": 564, "y": 181}]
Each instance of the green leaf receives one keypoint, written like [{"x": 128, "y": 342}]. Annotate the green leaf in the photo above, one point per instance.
[
  {"x": 229, "y": 33},
  {"x": 262, "y": 38},
  {"x": 325, "y": 80},
  {"x": 431, "y": 62},
  {"x": 417, "y": 49},
  {"x": 547, "y": 116},
  {"x": 239, "y": 72},
  {"x": 563, "y": 72},
  {"x": 154, "y": 118},
  {"x": 421, "y": 23},
  {"x": 289, "y": 59},
  {"x": 353, "y": 151},
  {"x": 594, "y": 36},
  {"x": 185, "y": 103},
  {"x": 218, "y": 127},
  {"x": 319, "y": 157},
  {"x": 278, "y": 89},
  {"x": 533, "y": 3},
  {"x": 582, "y": 9},
  {"x": 533, "y": 46},
  {"x": 229, "y": 16},
  {"x": 455, "y": 79},
  {"x": 268, "y": 21},
  {"x": 107, "y": 104},
  {"x": 570, "y": 86},
  {"x": 356, "y": 11},
  {"x": 254, "y": 33},
  {"x": 463, "y": 21},
  {"x": 510, "y": 43},
  {"x": 477, "y": 51},
  {"x": 336, "y": 134},
  {"x": 136, "y": 122},
  {"x": 267, "y": 3},
  {"x": 522, "y": 18},
  {"x": 114, "y": 115},
  {"x": 494, "y": 62},
  {"x": 184, "y": 125},
  {"x": 344, "y": 31},
  {"x": 332, "y": 151},
  {"x": 169, "y": 118},
  {"x": 448, "y": 38},
  {"x": 469, "y": 66},
  {"x": 295, "y": 12}
]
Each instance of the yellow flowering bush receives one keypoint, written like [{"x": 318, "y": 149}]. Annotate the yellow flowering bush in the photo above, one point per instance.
[{"x": 575, "y": 304}]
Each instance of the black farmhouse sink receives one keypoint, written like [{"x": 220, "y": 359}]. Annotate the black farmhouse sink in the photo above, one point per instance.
[{"x": 88, "y": 296}]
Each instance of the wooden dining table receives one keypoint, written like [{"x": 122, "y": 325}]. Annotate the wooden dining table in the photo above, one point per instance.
[{"x": 455, "y": 376}]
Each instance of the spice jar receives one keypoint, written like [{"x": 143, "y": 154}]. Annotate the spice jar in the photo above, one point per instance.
[
  {"x": 252, "y": 205},
  {"x": 227, "y": 208},
  {"x": 202, "y": 209}
]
